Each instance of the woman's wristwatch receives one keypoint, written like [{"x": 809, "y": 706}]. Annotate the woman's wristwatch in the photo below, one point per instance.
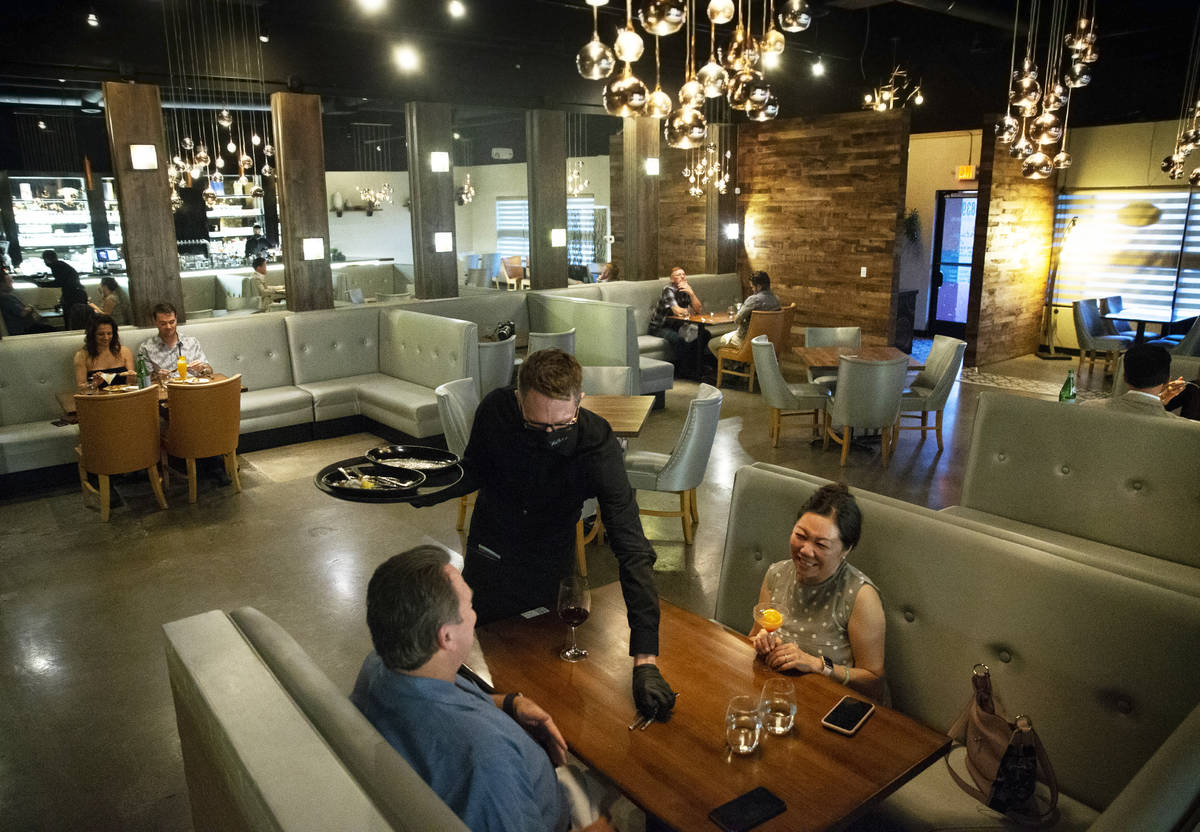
[{"x": 827, "y": 667}]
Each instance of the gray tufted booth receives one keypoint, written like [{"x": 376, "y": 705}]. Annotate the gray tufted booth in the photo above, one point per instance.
[
  {"x": 1093, "y": 485},
  {"x": 1060, "y": 636}
]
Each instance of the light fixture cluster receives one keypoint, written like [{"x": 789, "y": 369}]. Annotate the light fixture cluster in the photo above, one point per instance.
[
  {"x": 1188, "y": 137},
  {"x": 374, "y": 198},
  {"x": 708, "y": 167},
  {"x": 735, "y": 73},
  {"x": 897, "y": 91},
  {"x": 1033, "y": 128}
]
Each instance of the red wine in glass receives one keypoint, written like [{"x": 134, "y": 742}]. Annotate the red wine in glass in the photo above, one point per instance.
[{"x": 574, "y": 603}]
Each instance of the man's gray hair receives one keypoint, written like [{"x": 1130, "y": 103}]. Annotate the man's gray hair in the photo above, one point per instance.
[{"x": 409, "y": 599}]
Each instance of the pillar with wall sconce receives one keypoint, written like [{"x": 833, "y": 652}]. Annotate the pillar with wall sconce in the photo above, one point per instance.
[
  {"x": 641, "y": 140},
  {"x": 651, "y": 165},
  {"x": 303, "y": 204},
  {"x": 546, "y": 141},
  {"x": 431, "y": 185},
  {"x": 133, "y": 116}
]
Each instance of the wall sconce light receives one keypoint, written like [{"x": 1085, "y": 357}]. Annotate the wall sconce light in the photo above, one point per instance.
[
  {"x": 443, "y": 241},
  {"x": 143, "y": 157},
  {"x": 652, "y": 166},
  {"x": 313, "y": 248},
  {"x": 439, "y": 161},
  {"x": 558, "y": 237},
  {"x": 732, "y": 232}
]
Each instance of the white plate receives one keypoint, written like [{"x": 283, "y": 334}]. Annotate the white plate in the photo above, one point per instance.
[
  {"x": 128, "y": 388},
  {"x": 197, "y": 380}
]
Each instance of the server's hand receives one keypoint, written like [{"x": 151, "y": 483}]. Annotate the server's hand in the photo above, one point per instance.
[{"x": 651, "y": 693}]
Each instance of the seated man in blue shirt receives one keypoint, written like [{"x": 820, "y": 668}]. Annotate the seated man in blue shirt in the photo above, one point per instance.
[{"x": 490, "y": 758}]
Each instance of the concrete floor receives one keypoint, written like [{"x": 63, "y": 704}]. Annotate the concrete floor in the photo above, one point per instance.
[{"x": 88, "y": 727}]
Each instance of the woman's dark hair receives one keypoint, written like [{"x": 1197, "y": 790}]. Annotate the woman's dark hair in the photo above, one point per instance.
[
  {"x": 89, "y": 337},
  {"x": 836, "y": 501},
  {"x": 760, "y": 279},
  {"x": 110, "y": 283}
]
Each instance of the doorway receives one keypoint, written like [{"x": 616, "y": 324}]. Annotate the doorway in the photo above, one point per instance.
[{"x": 953, "y": 249}]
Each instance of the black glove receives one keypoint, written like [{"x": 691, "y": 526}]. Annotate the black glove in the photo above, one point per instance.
[
  {"x": 425, "y": 500},
  {"x": 651, "y": 693}
]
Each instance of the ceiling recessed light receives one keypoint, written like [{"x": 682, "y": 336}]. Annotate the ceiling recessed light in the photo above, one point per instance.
[
  {"x": 92, "y": 19},
  {"x": 372, "y": 6},
  {"x": 456, "y": 8},
  {"x": 406, "y": 58},
  {"x": 457, "y": 135}
]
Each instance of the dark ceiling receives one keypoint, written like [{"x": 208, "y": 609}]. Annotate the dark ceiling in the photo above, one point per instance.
[{"x": 517, "y": 54}]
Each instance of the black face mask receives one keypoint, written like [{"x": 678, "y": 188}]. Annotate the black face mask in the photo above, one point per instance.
[{"x": 561, "y": 441}]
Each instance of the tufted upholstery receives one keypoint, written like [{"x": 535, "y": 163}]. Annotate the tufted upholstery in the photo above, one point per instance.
[
  {"x": 1092, "y": 474},
  {"x": 257, "y": 347},
  {"x": 331, "y": 352},
  {"x": 1056, "y": 633},
  {"x": 684, "y": 468}
]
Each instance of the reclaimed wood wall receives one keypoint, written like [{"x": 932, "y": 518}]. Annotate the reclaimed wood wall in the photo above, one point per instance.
[
  {"x": 821, "y": 198},
  {"x": 682, "y": 218},
  {"x": 1014, "y": 227}
]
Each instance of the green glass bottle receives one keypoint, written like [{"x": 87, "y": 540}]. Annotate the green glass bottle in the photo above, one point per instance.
[
  {"x": 143, "y": 374},
  {"x": 1067, "y": 393}
]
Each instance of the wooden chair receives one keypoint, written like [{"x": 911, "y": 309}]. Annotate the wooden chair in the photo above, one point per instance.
[
  {"x": 204, "y": 422},
  {"x": 118, "y": 433},
  {"x": 776, "y": 326},
  {"x": 512, "y": 271}
]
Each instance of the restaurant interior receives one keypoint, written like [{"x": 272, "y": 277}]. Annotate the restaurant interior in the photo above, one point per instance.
[{"x": 909, "y": 171}]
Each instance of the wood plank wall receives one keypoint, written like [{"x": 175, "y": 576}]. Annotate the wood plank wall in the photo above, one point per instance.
[
  {"x": 682, "y": 218},
  {"x": 820, "y": 199},
  {"x": 1014, "y": 227}
]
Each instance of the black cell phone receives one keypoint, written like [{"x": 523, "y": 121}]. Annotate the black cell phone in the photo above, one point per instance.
[
  {"x": 847, "y": 716},
  {"x": 748, "y": 810}
]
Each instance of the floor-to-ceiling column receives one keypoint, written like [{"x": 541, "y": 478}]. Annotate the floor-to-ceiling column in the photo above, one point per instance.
[
  {"x": 303, "y": 208},
  {"x": 546, "y": 141},
  {"x": 640, "y": 194},
  {"x": 431, "y": 184},
  {"x": 137, "y": 141}
]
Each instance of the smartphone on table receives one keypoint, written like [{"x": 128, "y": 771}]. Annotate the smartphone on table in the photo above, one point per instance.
[{"x": 848, "y": 715}]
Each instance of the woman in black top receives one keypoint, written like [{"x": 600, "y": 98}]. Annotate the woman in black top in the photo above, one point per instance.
[{"x": 102, "y": 353}]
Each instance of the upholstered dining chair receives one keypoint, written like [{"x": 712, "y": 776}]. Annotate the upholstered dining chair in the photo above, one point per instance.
[
  {"x": 512, "y": 272},
  {"x": 1113, "y": 303},
  {"x": 204, "y": 422},
  {"x": 118, "y": 433},
  {"x": 456, "y": 402},
  {"x": 1090, "y": 334},
  {"x": 682, "y": 470},
  {"x": 931, "y": 388},
  {"x": 786, "y": 399},
  {"x": 775, "y": 325},
  {"x": 830, "y": 336},
  {"x": 496, "y": 364},
  {"x": 867, "y": 398},
  {"x": 1190, "y": 343},
  {"x": 564, "y": 341}
]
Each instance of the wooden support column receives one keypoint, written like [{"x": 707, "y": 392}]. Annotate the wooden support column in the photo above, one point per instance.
[
  {"x": 133, "y": 115},
  {"x": 546, "y": 143},
  {"x": 429, "y": 130},
  {"x": 303, "y": 207},
  {"x": 720, "y": 252},
  {"x": 640, "y": 138}
]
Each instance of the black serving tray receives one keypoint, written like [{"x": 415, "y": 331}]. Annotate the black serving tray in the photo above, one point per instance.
[{"x": 412, "y": 457}]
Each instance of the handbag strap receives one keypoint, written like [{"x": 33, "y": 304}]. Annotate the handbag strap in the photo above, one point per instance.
[{"x": 957, "y": 734}]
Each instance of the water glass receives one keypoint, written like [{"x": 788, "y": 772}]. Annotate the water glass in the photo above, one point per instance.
[
  {"x": 778, "y": 705},
  {"x": 743, "y": 724},
  {"x": 730, "y": 310}
]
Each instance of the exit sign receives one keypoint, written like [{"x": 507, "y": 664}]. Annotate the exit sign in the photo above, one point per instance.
[{"x": 966, "y": 172}]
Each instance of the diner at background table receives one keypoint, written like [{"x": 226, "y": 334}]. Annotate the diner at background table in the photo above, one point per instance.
[
  {"x": 19, "y": 317},
  {"x": 161, "y": 351},
  {"x": 678, "y": 300},
  {"x": 827, "y": 605},
  {"x": 114, "y": 301},
  {"x": 761, "y": 298},
  {"x": 102, "y": 352}
]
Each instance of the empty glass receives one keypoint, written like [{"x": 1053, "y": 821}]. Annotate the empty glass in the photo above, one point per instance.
[
  {"x": 743, "y": 724},
  {"x": 778, "y": 705}
]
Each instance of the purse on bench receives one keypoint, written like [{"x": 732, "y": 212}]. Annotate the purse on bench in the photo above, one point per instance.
[{"x": 1006, "y": 760}]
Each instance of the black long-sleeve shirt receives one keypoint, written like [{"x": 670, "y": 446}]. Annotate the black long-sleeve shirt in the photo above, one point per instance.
[
  {"x": 64, "y": 276},
  {"x": 530, "y": 500}
]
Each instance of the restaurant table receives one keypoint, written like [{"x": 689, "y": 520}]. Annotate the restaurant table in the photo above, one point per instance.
[
  {"x": 828, "y": 356},
  {"x": 625, "y": 414},
  {"x": 66, "y": 398},
  {"x": 703, "y": 319},
  {"x": 680, "y": 770},
  {"x": 1142, "y": 315}
]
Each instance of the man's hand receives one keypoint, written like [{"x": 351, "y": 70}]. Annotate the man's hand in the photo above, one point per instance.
[
  {"x": 1173, "y": 389},
  {"x": 651, "y": 693},
  {"x": 539, "y": 725}
]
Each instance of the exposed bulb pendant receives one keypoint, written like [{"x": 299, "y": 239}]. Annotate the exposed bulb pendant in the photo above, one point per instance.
[
  {"x": 794, "y": 16},
  {"x": 658, "y": 105},
  {"x": 720, "y": 11},
  {"x": 712, "y": 76},
  {"x": 626, "y": 95},
  {"x": 628, "y": 46},
  {"x": 595, "y": 60},
  {"x": 662, "y": 17}
]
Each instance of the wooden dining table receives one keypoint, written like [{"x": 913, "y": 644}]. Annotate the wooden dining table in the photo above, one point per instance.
[
  {"x": 681, "y": 769},
  {"x": 66, "y": 398},
  {"x": 828, "y": 356},
  {"x": 625, "y": 414}
]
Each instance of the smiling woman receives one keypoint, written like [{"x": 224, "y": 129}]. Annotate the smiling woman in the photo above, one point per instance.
[{"x": 832, "y": 615}]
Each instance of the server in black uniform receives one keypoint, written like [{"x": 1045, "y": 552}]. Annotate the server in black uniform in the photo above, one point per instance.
[
  {"x": 256, "y": 243},
  {"x": 534, "y": 456},
  {"x": 72, "y": 294}
]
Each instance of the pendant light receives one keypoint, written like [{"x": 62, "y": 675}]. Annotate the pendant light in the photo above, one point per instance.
[{"x": 595, "y": 60}]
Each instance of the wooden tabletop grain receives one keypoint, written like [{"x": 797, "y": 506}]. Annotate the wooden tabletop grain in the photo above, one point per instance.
[
  {"x": 626, "y": 414},
  {"x": 681, "y": 770},
  {"x": 828, "y": 356},
  {"x": 708, "y": 319}
]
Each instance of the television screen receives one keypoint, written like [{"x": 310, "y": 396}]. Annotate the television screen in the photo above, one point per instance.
[{"x": 107, "y": 255}]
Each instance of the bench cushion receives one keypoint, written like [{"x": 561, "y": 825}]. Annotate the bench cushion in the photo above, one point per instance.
[
  {"x": 36, "y": 445},
  {"x": 656, "y": 375},
  {"x": 336, "y": 398},
  {"x": 652, "y": 346},
  {"x": 399, "y": 404},
  {"x": 275, "y": 407},
  {"x": 333, "y": 345}
]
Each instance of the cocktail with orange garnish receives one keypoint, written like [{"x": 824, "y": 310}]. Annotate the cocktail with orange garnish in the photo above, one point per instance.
[{"x": 767, "y": 617}]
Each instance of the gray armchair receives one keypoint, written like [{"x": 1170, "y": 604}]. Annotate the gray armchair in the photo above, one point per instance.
[
  {"x": 1190, "y": 345},
  {"x": 456, "y": 403},
  {"x": 496, "y": 364},
  {"x": 608, "y": 381},
  {"x": 930, "y": 389},
  {"x": 565, "y": 341},
  {"x": 1089, "y": 332},
  {"x": 867, "y": 398},
  {"x": 830, "y": 336},
  {"x": 786, "y": 399},
  {"x": 683, "y": 470}
]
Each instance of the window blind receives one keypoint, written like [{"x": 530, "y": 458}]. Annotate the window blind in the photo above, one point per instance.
[
  {"x": 512, "y": 227},
  {"x": 580, "y": 238}
]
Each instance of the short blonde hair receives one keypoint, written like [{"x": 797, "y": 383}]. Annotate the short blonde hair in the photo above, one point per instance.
[{"x": 553, "y": 373}]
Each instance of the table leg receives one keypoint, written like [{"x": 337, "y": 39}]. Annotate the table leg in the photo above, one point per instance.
[{"x": 1140, "y": 335}]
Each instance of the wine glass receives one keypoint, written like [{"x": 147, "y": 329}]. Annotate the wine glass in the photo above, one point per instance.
[
  {"x": 768, "y": 617},
  {"x": 574, "y": 604},
  {"x": 743, "y": 724},
  {"x": 778, "y": 706}
]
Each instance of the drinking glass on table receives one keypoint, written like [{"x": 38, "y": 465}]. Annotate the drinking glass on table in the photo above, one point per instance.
[
  {"x": 778, "y": 705},
  {"x": 768, "y": 617},
  {"x": 574, "y": 604},
  {"x": 743, "y": 724}
]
